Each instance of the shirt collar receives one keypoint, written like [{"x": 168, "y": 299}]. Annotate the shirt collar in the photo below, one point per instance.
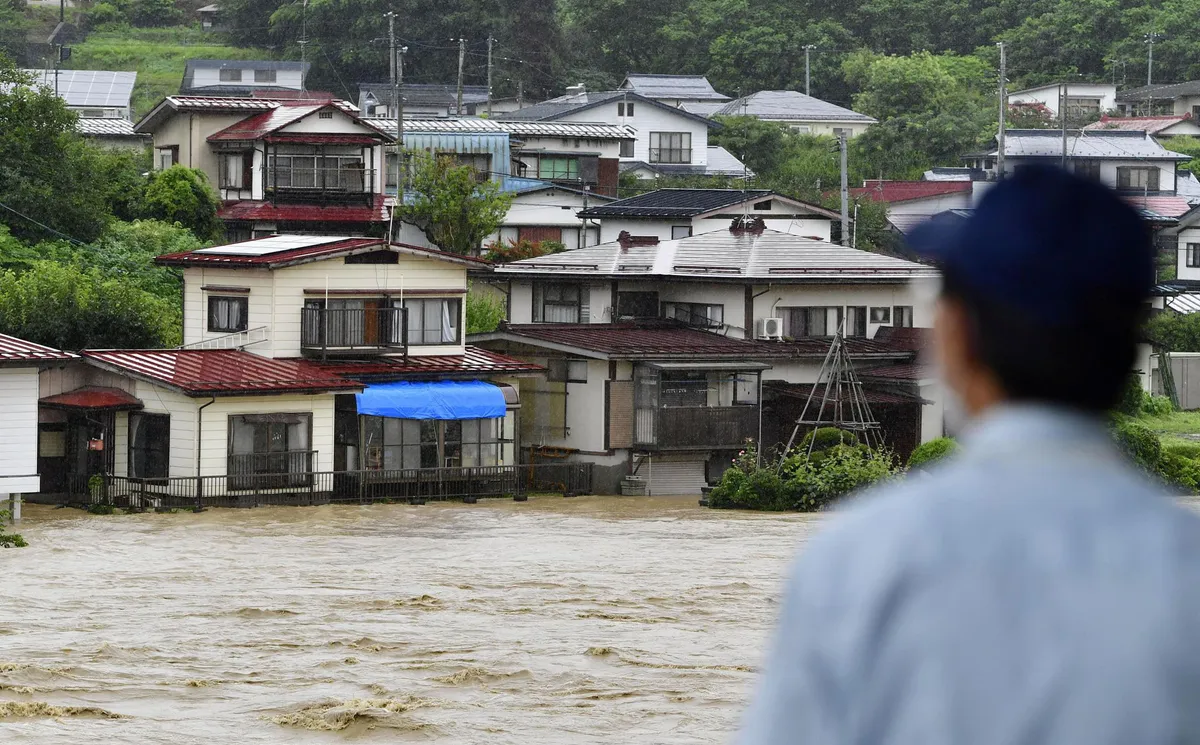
[{"x": 1029, "y": 426}]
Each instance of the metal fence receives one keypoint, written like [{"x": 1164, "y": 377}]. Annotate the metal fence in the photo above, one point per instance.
[{"x": 359, "y": 487}]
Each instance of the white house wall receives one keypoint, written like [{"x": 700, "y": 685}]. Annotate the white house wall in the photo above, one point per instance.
[
  {"x": 802, "y": 225},
  {"x": 158, "y": 399},
  {"x": 1108, "y": 170},
  {"x": 195, "y": 301},
  {"x": 19, "y": 435},
  {"x": 917, "y": 295},
  {"x": 1182, "y": 270},
  {"x": 932, "y": 205},
  {"x": 646, "y": 119},
  {"x": 215, "y": 437},
  {"x": 823, "y": 127},
  {"x": 1048, "y": 96},
  {"x": 211, "y": 76},
  {"x": 604, "y": 148}
]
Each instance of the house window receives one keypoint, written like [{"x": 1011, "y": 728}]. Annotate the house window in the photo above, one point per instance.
[
  {"x": 814, "y": 321},
  {"x": 264, "y": 76},
  {"x": 1089, "y": 169},
  {"x": 1079, "y": 107},
  {"x": 557, "y": 303},
  {"x": 479, "y": 163},
  {"x": 228, "y": 314},
  {"x": 670, "y": 147},
  {"x": 1193, "y": 254},
  {"x": 627, "y": 148},
  {"x": 695, "y": 314},
  {"x": 881, "y": 315},
  {"x": 801, "y": 129},
  {"x": 567, "y": 371},
  {"x": 276, "y": 444},
  {"x": 625, "y": 108},
  {"x": 325, "y": 115},
  {"x": 560, "y": 168},
  {"x": 637, "y": 304},
  {"x": 842, "y": 132},
  {"x": 856, "y": 320},
  {"x": 1137, "y": 178},
  {"x": 305, "y": 167},
  {"x": 902, "y": 316},
  {"x": 231, "y": 76},
  {"x": 149, "y": 445},
  {"x": 165, "y": 157},
  {"x": 1196, "y": 112},
  {"x": 680, "y": 231},
  {"x": 394, "y": 444},
  {"x": 433, "y": 321},
  {"x": 234, "y": 170}
]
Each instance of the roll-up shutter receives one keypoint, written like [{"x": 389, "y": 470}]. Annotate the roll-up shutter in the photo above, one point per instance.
[{"x": 673, "y": 477}]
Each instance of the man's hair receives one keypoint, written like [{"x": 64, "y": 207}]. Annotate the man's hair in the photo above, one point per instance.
[{"x": 1083, "y": 364}]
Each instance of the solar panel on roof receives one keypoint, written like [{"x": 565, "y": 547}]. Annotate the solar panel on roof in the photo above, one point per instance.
[
  {"x": 272, "y": 244},
  {"x": 91, "y": 88}
]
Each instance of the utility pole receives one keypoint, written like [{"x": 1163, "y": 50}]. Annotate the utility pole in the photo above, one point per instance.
[
  {"x": 582, "y": 242},
  {"x": 1003, "y": 112},
  {"x": 462, "y": 53},
  {"x": 489, "y": 77},
  {"x": 520, "y": 94},
  {"x": 1062, "y": 116},
  {"x": 304, "y": 42},
  {"x": 845, "y": 191},
  {"x": 397, "y": 77},
  {"x": 1150, "y": 39},
  {"x": 807, "y": 78}
]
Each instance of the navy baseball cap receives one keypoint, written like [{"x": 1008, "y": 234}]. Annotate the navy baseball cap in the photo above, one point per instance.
[{"x": 1047, "y": 243}]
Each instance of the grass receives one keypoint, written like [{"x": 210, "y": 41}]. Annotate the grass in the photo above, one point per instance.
[
  {"x": 1175, "y": 423},
  {"x": 156, "y": 54}
]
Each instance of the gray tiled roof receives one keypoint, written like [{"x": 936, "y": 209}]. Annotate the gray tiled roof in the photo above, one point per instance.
[
  {"x": 1108, "y": 144},
  {"x": 1168, "y": 90},
  {"x": 90, "y": 88},
  {"x": 556, "y": 108},
  {"x": 725, "y": 255},
  {"x": 789, "y": 105},
  {"x": 676, "y": 202},
  {"x": 519, "y": 129},
  {"x": 695, "y": 87},
  {"x": 89, "y": 127},
  {"x": 424, "y": 94}
]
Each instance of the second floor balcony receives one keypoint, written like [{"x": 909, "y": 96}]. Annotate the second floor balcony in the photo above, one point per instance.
[
  {"x": 318, "y": 180},
  {"x": 352, "y": 328},
  {"x": 685, "y": 406}
]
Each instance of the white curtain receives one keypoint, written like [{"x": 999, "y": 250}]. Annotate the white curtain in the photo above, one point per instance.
[{"x": 561, "y": 313}]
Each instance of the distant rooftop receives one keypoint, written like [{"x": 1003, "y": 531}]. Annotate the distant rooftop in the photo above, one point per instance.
[
  {"x": 1111, "y": 144},
  {"x": 572, "y": 103},
  {"x": 470, "y": 124},
  {"x": 90, "y": 88},
  {"x": 190, "y": 67},
  {"x": 422, "y": 94},
  {"x": 676, "y": 202},
  {"x": 1149, "y": 124},
  {"x": 694, "y": 87},
  {"x": 789, "y": 105},
  {"x": 1160, "y": 91},
  {"x": 892, "y": 192}
]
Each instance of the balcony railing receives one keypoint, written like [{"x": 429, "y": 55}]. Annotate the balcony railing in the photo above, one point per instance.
[
  {"x": 684, "y": 427},
  {"x": 345, "y": 180},
  {"x": 356, "y": 330},
  {"x": 271, "y": 470}
]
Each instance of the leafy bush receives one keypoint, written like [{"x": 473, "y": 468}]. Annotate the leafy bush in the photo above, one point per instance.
[
  {"x": 485, "y": 311},
  {"x": 842, "y": 469},
  {"x": 824, "y": 438},
  {"x": 1132, "y": 396},
  {"x": 1184, "y": 449},
  {"x": 103, "y": 14},
  {"x": 932, "y": 451},
  {"x": 1157, "y": 405},
  {"x": 503, "y": 252},
  {"x": 1181, "y": 471},
  {"x": 183, "y": 195},
  {"x": 1139, "y": 443}
]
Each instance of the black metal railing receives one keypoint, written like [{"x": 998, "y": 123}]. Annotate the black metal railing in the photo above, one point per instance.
[
  {"x": 272, "y": 470},
  {"x": 695, "y": 426},
  {"x": 337, "y": 180},
  {"x": 353, "y": 329},
  {"x": 324, "y": 487}
]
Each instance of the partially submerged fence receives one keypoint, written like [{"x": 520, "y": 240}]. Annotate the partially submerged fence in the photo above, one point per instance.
[{"x": 325, "y": 487}]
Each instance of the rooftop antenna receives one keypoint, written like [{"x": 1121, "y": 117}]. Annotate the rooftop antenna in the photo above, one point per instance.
[{"x": 842, "y": 395}]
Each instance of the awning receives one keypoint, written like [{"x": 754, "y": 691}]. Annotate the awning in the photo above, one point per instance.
[
  {"x": 442, "y": 399},
  {"x": 92, "y": 397}
]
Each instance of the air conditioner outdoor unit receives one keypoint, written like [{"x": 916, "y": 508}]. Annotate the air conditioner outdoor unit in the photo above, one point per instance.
[{"x": 769, "y": 328}]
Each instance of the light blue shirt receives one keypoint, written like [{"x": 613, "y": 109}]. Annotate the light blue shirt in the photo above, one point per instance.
[{"x": 1036, "y": 589}]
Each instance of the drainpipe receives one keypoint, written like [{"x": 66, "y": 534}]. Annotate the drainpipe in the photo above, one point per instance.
[{"x": 199, "y": 449}]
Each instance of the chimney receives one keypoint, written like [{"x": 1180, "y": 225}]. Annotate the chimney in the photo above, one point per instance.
[{"x": 629, "y": 241}]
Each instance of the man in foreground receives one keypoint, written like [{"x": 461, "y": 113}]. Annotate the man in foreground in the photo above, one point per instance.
[{"x": 1037, "y": 588}]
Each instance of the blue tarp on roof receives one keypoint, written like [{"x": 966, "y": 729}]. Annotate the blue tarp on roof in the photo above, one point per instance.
[{"x": 442, "y": 399}]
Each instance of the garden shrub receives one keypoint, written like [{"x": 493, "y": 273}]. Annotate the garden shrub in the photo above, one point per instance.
[
  {"x": 1185, "y": 449},
  {"x": 842, "y": 469},
  {"x": 1132, "y": 396},
  {"x": 930, "y": 452},
  {"x": 1180, "y": 471},
  {"x": 1139, "y": 443},
  {"x": 824, "y": 438},
  {"x": 1156, "y": 405}
]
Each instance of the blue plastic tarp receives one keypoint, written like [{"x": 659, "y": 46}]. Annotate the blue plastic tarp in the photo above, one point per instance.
[{"x": 442, "y": 399}]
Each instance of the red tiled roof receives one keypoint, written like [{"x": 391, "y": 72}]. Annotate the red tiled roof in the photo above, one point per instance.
[
  {"x": 475, "y": 362},
  {"x": 308, "y": 253},
  {"x": 906, "y": 371},
  {"x": 905, "y": 191},
  {"x": 1165, "y": 206},
  {"x": 14, "y": 350},
  {"x": 267, "y": 122},
  {"x": 1148, "y": 124},
  {"x": 202, "y": 372},
  {"x": 92, "y": 397},
  {"x": 902, "y": 338},
  {"x": 266, "y": 211},
  {"x": 642, "y": 341}
]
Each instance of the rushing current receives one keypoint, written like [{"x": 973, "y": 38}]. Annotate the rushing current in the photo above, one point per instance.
[{"x": 596, "y": 619}]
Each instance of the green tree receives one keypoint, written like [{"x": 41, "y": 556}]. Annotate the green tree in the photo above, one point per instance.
[
  {"x": 68, "y": 307},
  {"x": 451, "y": 206},
  {"x": 485, "y": 310},
  {"x": 183, "y": 195}
]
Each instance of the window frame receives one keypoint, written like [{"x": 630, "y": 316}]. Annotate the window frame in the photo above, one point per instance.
[
  {"x": 902, "y": 316},
  {"x": 455, "y": 313},
  {"x": 693, "y": 311},
  {"x": 1192, "y": 255},
  {"x": 680, "y": 154},
  {"x": 429, "y": 441},
  {"x": 269, "y": 75},
  {"x": 880, "y": 314},
  {"x": 541, "y": 302},
  {"x": 677, "y": 228},
  {"x": 159, "y": 443},
  {"x": 242, "y": 300},
  {"x": 627, "y": 149},
  {"x": 809, "y": 312},
  {"x": 569, "y": 163},
  {"x": 167, "y": 150},
  {"x": 856, "y": 321},
  {"x": 230, "y": 75},
  {"x": 1125, "y": 179},
  {"x": 247, "y": 479}
]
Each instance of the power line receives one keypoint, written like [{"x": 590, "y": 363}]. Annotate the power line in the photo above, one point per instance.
[{"x": 42, "y": 225}]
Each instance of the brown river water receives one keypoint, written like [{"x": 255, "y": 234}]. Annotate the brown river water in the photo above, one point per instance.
[{"x": 597, "y": 619}]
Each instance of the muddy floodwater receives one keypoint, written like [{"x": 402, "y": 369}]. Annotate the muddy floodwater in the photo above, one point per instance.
[{"x": 632, "y": 620}]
